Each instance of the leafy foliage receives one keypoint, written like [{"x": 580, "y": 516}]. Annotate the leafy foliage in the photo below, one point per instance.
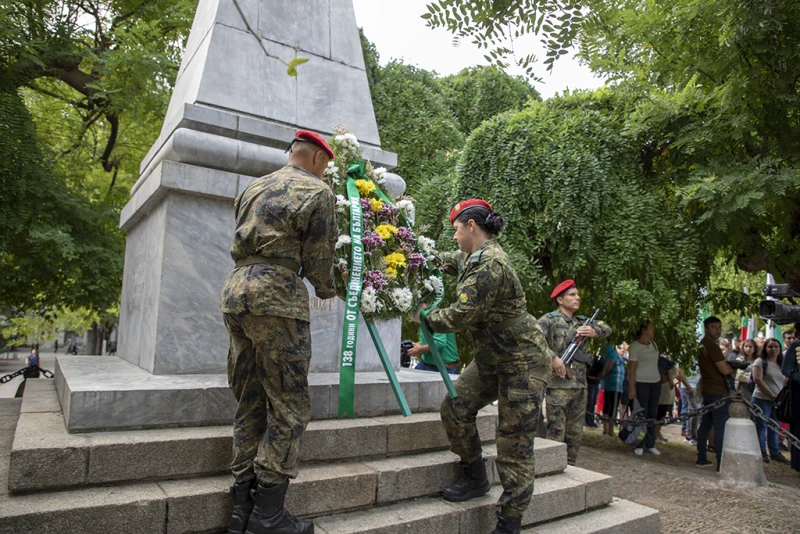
[
  {"x": 720, "y": 127},
  {"x": 477, "y": 94},
  {"x": 578, "y": 205},
  {"x": 55, "y": 246},
  {"x": 494, "y": 24}
]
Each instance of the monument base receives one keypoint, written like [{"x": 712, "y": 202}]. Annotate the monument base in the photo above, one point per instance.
[{"x": 110, "y": 393}]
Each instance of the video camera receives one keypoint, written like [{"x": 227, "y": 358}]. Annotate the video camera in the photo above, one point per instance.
[{"x": 779, "y": 312}]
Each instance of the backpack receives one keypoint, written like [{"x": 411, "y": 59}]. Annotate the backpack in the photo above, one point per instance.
[{"x": 629, "y": 433}]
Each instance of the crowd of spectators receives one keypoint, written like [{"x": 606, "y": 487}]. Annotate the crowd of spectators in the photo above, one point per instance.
[{"x": 641, "y": 375}]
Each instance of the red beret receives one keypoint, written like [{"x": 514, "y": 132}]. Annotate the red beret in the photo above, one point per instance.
[
  {"x": 313, "y": 138},
  {"x": 461, "y": 206},
  {"x": 563, "y": 286}
]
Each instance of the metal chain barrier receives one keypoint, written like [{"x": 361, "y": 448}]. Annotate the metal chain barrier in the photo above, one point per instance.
[
  {"x": 12, "y": 376},
  {"x": 649, "y": 421},
  {"x": 685, "y": 416}
]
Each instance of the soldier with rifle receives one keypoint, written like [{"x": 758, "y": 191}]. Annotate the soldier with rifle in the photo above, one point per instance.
[{"x": 566, "y": 334}]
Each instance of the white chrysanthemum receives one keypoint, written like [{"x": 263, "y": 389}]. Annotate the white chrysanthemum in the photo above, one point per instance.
[
  {"x": 432, "y": 284},
  {"x": 427, "y": 246},
  {"x": 332, "y": 172},
  {"x": 348, "y": 142},
  {"x": 343, "y": 240},
  {"x": 380, "y": 175},
  {"x": 407, "y": 207},
  {"x": 370, "y": 303},
  {"x": 342, "y": 204},
  {"x": 342, "y": 264},
  {"x": 402, "y": 298}
]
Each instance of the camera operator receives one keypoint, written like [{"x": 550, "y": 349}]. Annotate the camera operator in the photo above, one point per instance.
[{"x": 791, "y": 370}]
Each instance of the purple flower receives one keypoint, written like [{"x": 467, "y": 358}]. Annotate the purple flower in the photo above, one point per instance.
[
  {"x": 366, "y": 209},
  {"x": 372, "y": 241},
  {"x": 415, "y": 260},
  {"x": 404, "y": 234},
  {"x": 375, "y": 280},
  {"x": 388, "y": 212}
]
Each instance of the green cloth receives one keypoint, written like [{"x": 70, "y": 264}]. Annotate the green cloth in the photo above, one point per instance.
[{"x": 446, "y": 343}]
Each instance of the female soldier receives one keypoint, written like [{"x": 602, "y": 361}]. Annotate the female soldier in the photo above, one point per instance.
[{"x": 511, "y": 363}]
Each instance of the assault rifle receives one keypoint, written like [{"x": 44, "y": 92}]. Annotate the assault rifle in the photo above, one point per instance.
[{"x": 579, "y": 341}]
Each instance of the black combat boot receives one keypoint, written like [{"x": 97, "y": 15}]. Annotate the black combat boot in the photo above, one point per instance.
[
  {"x": 242, "y": 506},
  {"x": 473, "y": 484},
  {"x": 507, "y": 524},
  {"x": 270, "y": 517}
]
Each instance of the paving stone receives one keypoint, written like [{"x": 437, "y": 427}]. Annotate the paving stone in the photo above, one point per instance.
[
  {"x": 40, "y": 396},
  {"x": 321, "y": 489},
  {"x": 136, "y": 509},
  {"x": 619, "y": 517},
  {"x": 197, "y": 505},
  {"x": 598, "y": 485},
  {"x": 554, "y": 496},
  {"x": 344, "y": 438},
  {"x": 419, "y": 516}
]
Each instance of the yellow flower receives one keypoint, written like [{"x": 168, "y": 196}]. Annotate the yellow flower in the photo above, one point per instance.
[
  {"x": 390, "y": 272},
  {"x": 365, "y": 187},
  {"x": 386, "y": 230},
  {"x": 395, "y": 260},
  {"x": 376, "y": 204}
]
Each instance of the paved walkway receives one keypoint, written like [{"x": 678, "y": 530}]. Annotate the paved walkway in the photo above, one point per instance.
[{"x": 690, "y": 499}]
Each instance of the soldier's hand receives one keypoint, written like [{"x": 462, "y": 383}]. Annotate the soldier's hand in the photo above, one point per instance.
[
  {"x": 797, "y": 351},
  {"x": 559, "y": 368},
  {"x": 587, "y": 331}
]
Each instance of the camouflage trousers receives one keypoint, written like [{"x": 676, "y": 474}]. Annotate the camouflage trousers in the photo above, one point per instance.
[
  {"x": 566, "y": 411},
  {"x": 268, "y": 375},
  {"x": 519, "y": 396}
]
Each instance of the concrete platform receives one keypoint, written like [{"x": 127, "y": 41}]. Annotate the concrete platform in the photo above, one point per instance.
[{"x": 108, "y": 393}]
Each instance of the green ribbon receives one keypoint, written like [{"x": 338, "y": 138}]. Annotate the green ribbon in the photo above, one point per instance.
[{"x": 352, "y": 303}]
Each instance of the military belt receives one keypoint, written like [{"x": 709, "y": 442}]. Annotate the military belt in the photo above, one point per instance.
[
  {"x": 486, "y": 332},
  {"x": 281, "y": 262}
]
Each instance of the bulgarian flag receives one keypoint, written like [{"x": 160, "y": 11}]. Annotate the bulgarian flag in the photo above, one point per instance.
[{"x": 745, "y": 329}]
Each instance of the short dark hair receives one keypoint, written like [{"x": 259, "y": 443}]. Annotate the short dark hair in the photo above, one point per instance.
[
  {"x": 711, "y": 320},
  {"x": 787, "y": 332},
  {"x": 642, "y": 327}
]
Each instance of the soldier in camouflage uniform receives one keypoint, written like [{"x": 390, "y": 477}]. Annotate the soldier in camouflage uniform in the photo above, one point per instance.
[
  {"x": 511, "y": 363},
  {"x": 566, "y": 397},
  {"x": 285, "y": 228}
]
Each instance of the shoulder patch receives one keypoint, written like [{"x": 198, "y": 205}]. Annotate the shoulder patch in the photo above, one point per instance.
[
  {"x": 463, "y": 298},
  {"x": 475, "y": 257},
  {"x": 552, "y": 314}
]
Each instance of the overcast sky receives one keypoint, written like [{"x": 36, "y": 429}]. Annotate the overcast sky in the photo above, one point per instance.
[{"x": 398, "y": 32}]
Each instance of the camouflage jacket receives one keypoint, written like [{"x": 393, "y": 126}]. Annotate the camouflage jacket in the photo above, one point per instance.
[
  {"x": 559, "y": 331},
  {"x": 287, "y": 214},
  {"x": 489, "y": 292}
]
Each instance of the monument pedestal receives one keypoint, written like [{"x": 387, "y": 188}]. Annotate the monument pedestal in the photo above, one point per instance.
[{"x": 233, "y": 112}]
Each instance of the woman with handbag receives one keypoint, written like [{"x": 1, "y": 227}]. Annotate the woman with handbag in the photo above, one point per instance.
[
  {"x": 769, "y": 380},
  {"x": 791, "y": 370}
]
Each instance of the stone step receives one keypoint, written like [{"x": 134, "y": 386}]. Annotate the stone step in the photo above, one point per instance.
[
  {"x": 44, "y": 456},
  {"x": 203, "y": 504},
  {"x": 619, "y": 517},
  {"x": 571, "y": 492},
  {"x": 108, "y": 393}
]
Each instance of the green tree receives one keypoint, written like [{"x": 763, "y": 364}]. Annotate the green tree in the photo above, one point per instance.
[
  {"x": 477, "y": 94},
  {"x": 578, "y": 205},
  {"x": 720, "y": 124},
  {"x": 494, "y": 24}
]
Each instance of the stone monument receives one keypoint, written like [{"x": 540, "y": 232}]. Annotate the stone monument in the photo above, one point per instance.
[{"x": 233, "y": 111}]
